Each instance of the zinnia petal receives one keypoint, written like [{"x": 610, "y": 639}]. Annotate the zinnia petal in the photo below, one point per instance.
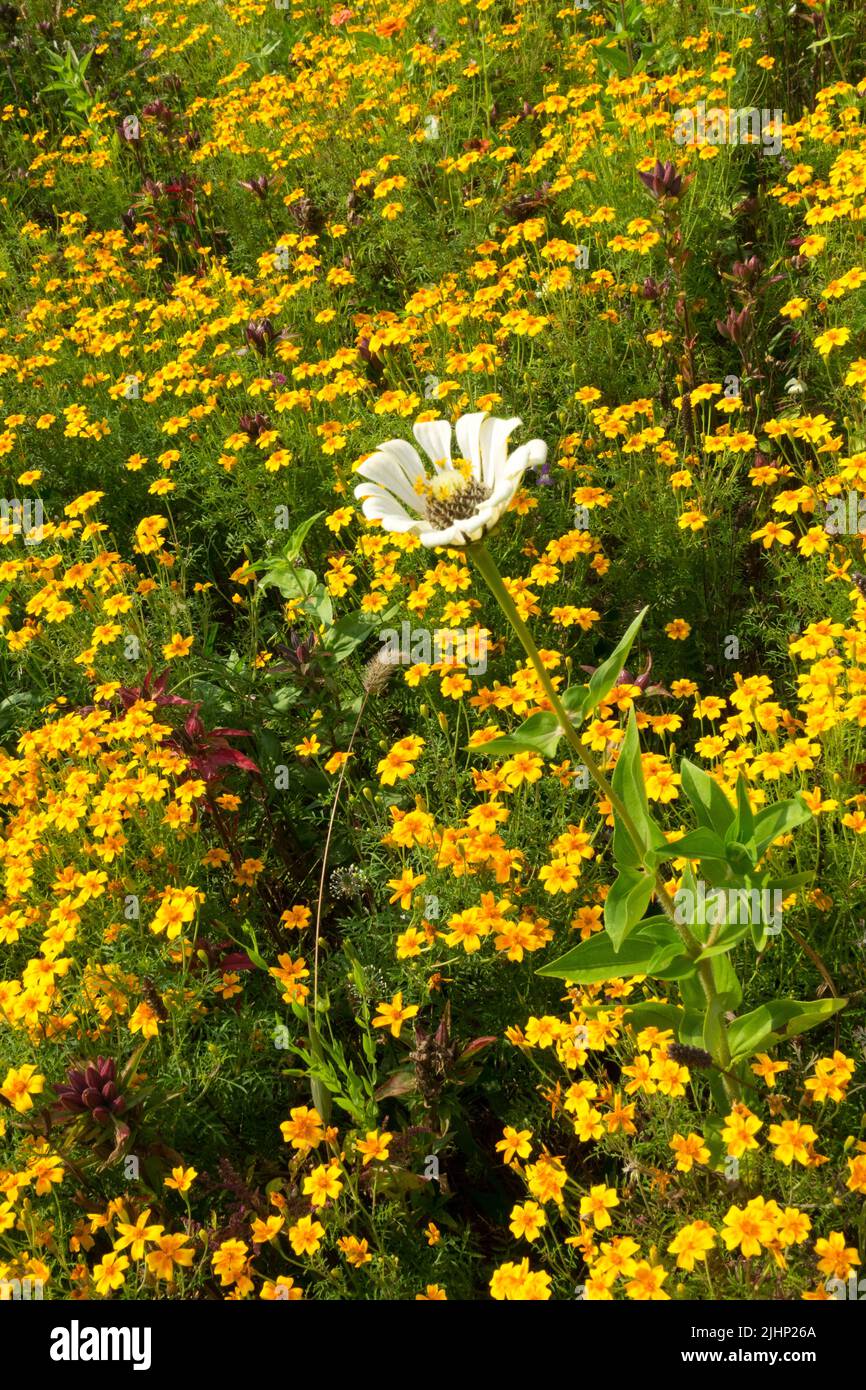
[
  {"x": 386, "y": 473},
  {"x": 494, "y": 435},
  {"x": 468, "y": 431},
  {"x": 434, "y": 436}
]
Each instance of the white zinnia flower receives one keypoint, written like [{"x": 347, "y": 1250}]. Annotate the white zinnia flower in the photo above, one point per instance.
[{"x": 462, "y": 498}]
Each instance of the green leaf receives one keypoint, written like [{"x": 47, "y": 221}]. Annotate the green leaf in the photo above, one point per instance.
[
  {"x": 299, "y": 584},
  {"x": 291, "y": 581},
  {"x": 613, "y": 58},
  {"x": 574, "y": 700},
  {"x": 654, "y": 1014},
  {"x": 759, "y": 903},
  {"x": 249, "y": 943},
  {"x": 626, "y": 903},
  {"x": 741, "y": 858},
  {"x": 712, "y": 1029},
  {"x": 790, "y": 883},
  {"x": 778, "y": 819},
  {"x": 628, "y": 784},
  {"x": 604, "y": 679},
  {"x": 299, "y": 535},
  {"x": 698, "y": 844},
  {"x": 727, "y": 983},
  {"x": 14, "y": 705},
  {"x": 713, "y": 1126},
  {"x": 742, "y": 828},
  {"x": 830, "y": 38},
  {"x": 691, "y": 1030},
  {"x": 712, "y": 1132},
  {"x": 693, "y": 997},
  {"x": 283, "y": 699},
  {"x": 724, "y": 977},
  {"x": 697, "y": 908},
  {"x": 727, "y": 938},
  {"x": 540, "y": 733},
  {"x": 350, "y": 631},
  {"x": 782, "y": 1018},
  {"x": 596, "y": 960},
  {"x": 672, "y": 965},
  {"x": 711, "y": 806}
]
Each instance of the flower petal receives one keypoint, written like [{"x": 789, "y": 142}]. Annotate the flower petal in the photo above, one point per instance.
[
  {"x": 449, "y": 537},
  {"x": 468, "y": 430},
  {"x": 380, "y": 506},
  {"x": 530, "y": 455},
  {"x": 402, "y": 452},
  {"x": 434, "y": 436},
  {"x": 387, "y": 473},
  {"x": 494, "y": 445}
]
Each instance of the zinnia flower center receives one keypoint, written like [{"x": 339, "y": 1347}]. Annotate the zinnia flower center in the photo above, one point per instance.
[{"x": 454, "y": 497}]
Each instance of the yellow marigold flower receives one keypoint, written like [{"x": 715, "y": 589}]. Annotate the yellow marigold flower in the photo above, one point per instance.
[
  {"x": 739, "y": 1131},
  {"x": 374, "y": 1146},
  {"x": 306, "y": 1236},
  {"x": 20, "y": 1085},
  {"x": 791, "y": 1141},
  {"x": 394, "y": 1015},
  {"x": 689, "y": 1150},
  {"x": 646, "y": 1283},
  {"x": 514, "y": 1144},
  {"x": 178, "y": 646},
  {"x": 597, "y": 1204},
  {"x": 691, "y": 1243}
]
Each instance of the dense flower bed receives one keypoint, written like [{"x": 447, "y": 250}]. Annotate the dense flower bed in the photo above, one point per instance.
[{"x": 347, "y": 949}]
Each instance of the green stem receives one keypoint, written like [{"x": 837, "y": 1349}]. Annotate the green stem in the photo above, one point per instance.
[{"x": 486, "y": 566}]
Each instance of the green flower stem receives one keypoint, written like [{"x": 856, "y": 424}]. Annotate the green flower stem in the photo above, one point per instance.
[{"x": 486, "y": 566}]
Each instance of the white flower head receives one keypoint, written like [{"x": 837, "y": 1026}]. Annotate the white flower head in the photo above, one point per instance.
[{"x": 461, "y": 498}]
